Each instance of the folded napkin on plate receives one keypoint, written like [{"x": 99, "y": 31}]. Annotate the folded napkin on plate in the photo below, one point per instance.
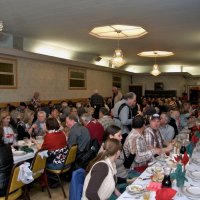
[
  {"x": 165, "y": 194},
  {"x": 26, "y": 149},
  {"x": 185, "y": 159},
  {"x": 153, "y": 186}
]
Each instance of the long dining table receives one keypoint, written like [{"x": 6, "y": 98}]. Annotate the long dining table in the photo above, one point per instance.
[{"x": 144, "y": 180}]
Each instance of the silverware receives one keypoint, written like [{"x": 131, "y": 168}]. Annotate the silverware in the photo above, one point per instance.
[{"x": 147, "y": 178}]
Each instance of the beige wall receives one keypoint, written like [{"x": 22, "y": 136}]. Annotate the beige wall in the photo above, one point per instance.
[
  {"x": 171, "y": 82},
  {"x": 50, "y": 79}
]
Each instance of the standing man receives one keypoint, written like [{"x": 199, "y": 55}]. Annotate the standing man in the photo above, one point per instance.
[
  {"x": 123, "y": 115},
  {"x": 96, "y": 102},
  {"x": 117, "y": 96}
]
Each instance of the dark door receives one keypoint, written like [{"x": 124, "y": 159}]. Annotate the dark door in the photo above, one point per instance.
[{"x": 137, "y": 89}]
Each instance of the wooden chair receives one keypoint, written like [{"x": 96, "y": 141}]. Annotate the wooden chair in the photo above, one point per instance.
[
  {"x": 38, "y": 168},
  {"x": 69, "y": 160},
  {"x": 15, "y": 187}
]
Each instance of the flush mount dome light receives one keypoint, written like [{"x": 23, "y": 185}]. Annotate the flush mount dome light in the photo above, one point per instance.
[
  {"x": 156, "y": 54},
  {"x": 118, "y": 32}
]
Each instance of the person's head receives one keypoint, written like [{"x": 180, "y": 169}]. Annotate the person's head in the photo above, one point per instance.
[
  {"x": 130, "y": 97},
  {"x": 52, "y": 124},
  {"x": 1, "y": 135},
  {"x": 29, "y": 116},
  {"x": 114, "y": 90},
  {"x": 22, "y": 106},
  {"x": 112, "y": 148},
  {"x": 71, "y": 120},
  {"x": 64, "y": 104},
  {"x": 112, "y": 132},
  {"x": 36, "y": 95},
  {"x": 73, "y": 111},
  {"x": 164, "y": 119},
  {"x": 4, "y": 118},
  {"x": 55, "y": 113},
  {"x": 154, "y": 121},
  {"x": 138, "y": 122},
  {"x": 41, "y": 116},
  {"x": 85, "y": 118},
  {"x": 90, "y": 110},
  {"x": 186, "y": 106},
  {"x": 103, "y": 112}
]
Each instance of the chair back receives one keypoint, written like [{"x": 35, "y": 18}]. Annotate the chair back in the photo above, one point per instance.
[
  {"x": 14, "y": 184},
  {"x": 71, "y": 156},
  {"x": 38, "y": 165},
  {"x": 76, "y": 184}
]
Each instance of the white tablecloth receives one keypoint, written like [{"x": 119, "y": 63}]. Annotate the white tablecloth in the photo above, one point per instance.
[{"x": 144, "y": 183}]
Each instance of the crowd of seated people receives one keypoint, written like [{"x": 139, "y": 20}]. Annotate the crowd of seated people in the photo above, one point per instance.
[{"x": 130, "y": 134}]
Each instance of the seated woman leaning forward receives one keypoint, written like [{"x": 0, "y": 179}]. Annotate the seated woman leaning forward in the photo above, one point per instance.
[
  {"x": 56, "y": 143},
  {"x": 101, "y": 180}
]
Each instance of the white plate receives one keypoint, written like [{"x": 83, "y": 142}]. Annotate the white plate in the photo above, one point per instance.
[
  {"x": 154, "y": 169},
  {"x": 193, "y": 178},
  {"x": 190, "y": 196},
  {"x": 195, "y": 174},
  {"x": 193, "y": 190},
  {"x": 18, "y": 153},
  {"x": 134, "y": 188}
]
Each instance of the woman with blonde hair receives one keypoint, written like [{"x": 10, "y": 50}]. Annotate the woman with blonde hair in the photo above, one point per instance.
[
  {"x": 8, "y": 135},
  {"x": 101, "y": 178}
]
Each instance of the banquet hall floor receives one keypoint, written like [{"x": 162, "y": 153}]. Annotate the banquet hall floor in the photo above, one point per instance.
[{"x": 37, "y": 194}]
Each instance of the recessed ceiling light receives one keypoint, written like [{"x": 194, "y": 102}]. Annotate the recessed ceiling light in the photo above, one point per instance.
[
  {"x": 118, "y": 32},
  {"x": 156, "y": 53}
]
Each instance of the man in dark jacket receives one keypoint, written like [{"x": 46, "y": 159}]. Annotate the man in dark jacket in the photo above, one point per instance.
[
  {"x": 96, "y": 102},
  {"x": 6, "y": 164}
]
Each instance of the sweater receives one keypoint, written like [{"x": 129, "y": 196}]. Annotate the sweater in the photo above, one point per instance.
[{"x": 100, "y": 182}]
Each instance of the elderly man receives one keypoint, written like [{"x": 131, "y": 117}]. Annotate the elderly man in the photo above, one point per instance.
[
  {"x": 78, "y": 134},
  {"x": 167, "y": 131},
  {"x": 39, "y": 127},
  {"x": 104, "y": 119},
  {"x": 96, "y": 130},
  {"x": 122, "y": 113},
  {"x": 153, "y": 136},
  {"x": 117, "y": 96}
]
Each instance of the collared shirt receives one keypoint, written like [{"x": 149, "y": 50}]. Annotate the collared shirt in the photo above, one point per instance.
[
  {"x": 135, "y": 144},
  {"x": 167, "y": 132},
  {"x": 153, "y": 138},
  {"x": 106, "y": 121}
]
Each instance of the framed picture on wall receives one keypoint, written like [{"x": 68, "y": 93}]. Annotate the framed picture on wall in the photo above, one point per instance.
[
  {"x": 158, "y": 86},
  {"x": 77, "y": 78},
  {"x": 8, "y": 73}
]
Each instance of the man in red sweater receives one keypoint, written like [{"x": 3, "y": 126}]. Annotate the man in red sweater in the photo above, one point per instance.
[{"x": 95, "y": 128}]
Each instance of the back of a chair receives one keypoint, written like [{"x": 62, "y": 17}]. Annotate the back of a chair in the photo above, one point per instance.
[
  {"x": 71, "y": 156},
  {"x": 38, "y": 165},
  {"x": 76, "y": 184},
  {"x": 14, "y": 184}
]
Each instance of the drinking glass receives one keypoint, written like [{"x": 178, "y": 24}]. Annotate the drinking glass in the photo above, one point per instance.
[{"x": 146, "y": 195}]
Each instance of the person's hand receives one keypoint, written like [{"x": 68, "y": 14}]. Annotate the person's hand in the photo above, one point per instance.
[
  {"x": 33, "y": 140},
  {"x": 117, "y": 192},
  {"x": 34, "y": 126},
  {"x": 157, "y": 151},
  {"x": 169, "y": 147},
  {"x": 131, "y": 180}
]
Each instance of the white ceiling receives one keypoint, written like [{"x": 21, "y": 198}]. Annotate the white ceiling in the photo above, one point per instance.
[{"x": 172, "y": 25}]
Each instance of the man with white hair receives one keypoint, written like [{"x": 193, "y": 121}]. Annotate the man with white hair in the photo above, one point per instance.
[
  {"x": 96, "y": 130},
  {"x": 96, "y": 102},
  {"x": 167, "y": 131}
]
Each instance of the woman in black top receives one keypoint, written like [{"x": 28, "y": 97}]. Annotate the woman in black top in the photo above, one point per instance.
[{"x": 6, "y": 164}]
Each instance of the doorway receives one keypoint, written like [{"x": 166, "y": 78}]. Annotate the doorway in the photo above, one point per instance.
[
  {"x": 137, "y": 89},
  {"x": 194, "y": 94}
]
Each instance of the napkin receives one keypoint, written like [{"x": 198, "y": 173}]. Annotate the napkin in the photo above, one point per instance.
[
  {"x": 154, "y": 186},
  {"x": 189, "y": 148},
  {"x": 177, "y": 158},
  {"x": 165, "y": 194},
  {"x": 185, "y": 159},
  {"x": 26, "y": 149},
  {"x": 179, "y": 175}
]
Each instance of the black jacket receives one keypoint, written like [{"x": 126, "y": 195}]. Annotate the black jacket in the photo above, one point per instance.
[{"x": 6, "y": 164}]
